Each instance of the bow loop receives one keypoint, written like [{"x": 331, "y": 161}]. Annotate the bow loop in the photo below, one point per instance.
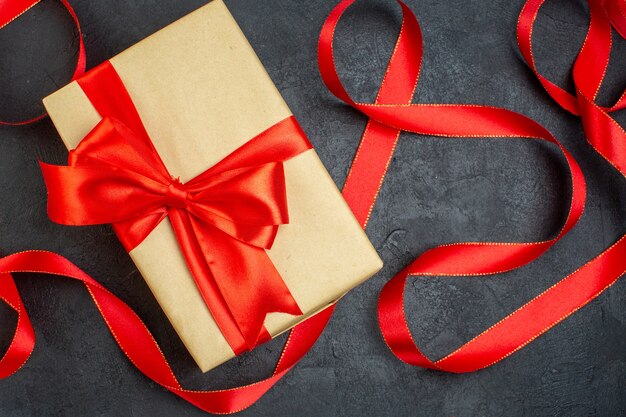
[
  {"x": 113, "y": 143},
  {"x": 246, "y": 203},
  {"x": 251, "y": 195}
]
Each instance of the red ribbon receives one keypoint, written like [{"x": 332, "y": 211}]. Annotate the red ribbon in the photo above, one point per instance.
[
  {"x": 392, "y": 113},
  {"x": 224, "y": 219},
  {"x": 127, "y": 329},
  {"x": 616, "y": 11},
  {"x": 11, "y": 10},
  {"x": 602, "y": 131},
  {"x": 388, "y": 115},
  {"x": 133, "y": 337}
]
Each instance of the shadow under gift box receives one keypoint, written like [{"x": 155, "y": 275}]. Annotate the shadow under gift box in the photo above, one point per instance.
[{"x": 201, "y": 93}]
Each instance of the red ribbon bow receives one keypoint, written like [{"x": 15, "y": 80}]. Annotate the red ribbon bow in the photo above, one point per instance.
[
  {"x": 224, "y": 218},
  {"x": 501, "y": 340}
]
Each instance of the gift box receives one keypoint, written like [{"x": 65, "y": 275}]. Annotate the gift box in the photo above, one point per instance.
[{"x": 202, "y": 93}]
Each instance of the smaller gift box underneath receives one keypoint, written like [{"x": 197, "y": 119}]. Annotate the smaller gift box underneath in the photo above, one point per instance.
[{"x": 201, "y": 93}]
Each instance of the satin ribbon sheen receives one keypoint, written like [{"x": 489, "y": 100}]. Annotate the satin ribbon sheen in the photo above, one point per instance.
[
  {"x": 129, "y": 332},
  {"x": 602, "y": 131},
  {"x": 224, "y": 219},
  {"x": 392, "y": 113},
  {"x": 134, "y": 339},
  {"x": 11, "y": 10}
]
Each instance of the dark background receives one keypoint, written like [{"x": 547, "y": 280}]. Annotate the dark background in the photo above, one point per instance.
[{"x": 438, "y": 191}]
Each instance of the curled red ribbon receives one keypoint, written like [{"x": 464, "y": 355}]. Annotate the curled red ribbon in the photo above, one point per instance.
[
  {"x": 392, "y": 113},
  {"x": 134, "y": 339},
  {"x": 616, "y": 11},
  {"x": 601, "y": 130},
  {"x": 361, "y": 189},
  {"x": 223, "y": 219},
  {"x": 11, "y": 10}
]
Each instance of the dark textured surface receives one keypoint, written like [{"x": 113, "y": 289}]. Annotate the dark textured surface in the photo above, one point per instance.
[{"x": 438, "y": 191}]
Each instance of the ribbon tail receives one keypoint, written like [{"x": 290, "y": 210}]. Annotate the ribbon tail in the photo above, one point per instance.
[
  {"x": 238, "y": 282},
  {"x": 248, "y": 281},
  {"x": 23, "y": 342},
  {"x": 205, "y": 280}
]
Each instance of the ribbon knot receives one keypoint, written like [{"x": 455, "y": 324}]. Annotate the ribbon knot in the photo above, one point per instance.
[
  {"x": 224, "y": 219},
  {"x": 176, "y": 195}
]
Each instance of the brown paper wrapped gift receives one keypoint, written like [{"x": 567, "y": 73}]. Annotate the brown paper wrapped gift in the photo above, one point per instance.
[{"x": 202, "y": 93}]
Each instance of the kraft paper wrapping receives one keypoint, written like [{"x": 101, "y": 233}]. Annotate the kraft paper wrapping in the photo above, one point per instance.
[{"x": 202, "y": 92}]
